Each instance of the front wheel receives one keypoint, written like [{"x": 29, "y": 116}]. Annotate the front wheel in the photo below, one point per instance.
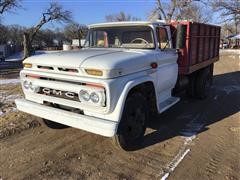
[
  {"x": 132, "y": 126},
  {"x": 53, "y": 125}
]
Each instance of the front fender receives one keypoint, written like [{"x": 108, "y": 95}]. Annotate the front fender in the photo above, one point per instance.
[{"x": 128, "y": 86}]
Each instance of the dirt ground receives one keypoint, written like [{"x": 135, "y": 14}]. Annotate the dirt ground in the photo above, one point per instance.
[{"x": 195, "y": 139}]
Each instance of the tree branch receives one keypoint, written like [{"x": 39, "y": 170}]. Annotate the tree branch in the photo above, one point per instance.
[{"x": 6, "y": 5}]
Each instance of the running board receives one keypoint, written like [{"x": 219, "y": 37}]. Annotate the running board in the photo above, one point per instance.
[{"x": 168, "y": 103}]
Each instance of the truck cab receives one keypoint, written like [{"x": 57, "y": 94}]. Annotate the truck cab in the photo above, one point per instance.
[{"x": 125, "y": 72}]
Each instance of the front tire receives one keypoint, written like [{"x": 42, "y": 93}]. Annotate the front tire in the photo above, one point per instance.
[
  {"x": 132, "y": 126},
  {"x": 53, "y": 125}
]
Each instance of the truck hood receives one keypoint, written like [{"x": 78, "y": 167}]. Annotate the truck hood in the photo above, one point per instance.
[{"x": 113, "y": 62}]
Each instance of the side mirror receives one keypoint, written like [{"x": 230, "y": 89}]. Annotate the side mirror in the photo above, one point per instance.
[{"x": 181, "y": 36}]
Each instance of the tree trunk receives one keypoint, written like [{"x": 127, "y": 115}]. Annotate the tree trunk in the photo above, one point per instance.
[
  {"x": 80, "y": 45},
  {"x": 27, "y": 45}
]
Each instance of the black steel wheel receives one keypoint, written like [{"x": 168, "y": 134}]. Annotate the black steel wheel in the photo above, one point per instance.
[{"x": 132, "y": 126}]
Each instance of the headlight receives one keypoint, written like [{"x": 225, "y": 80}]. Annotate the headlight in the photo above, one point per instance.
[
  {"x": 25, "y": 84},
  {"x": 30, "y": 87},
  {"x": 84, "y": 95},
  {"x": 94, "y": 97}
]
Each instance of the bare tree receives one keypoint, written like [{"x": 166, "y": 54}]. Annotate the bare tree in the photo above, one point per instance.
[
  {"x": 3, "y": 36},
  {"x": 121, "y": 16},
  {"x": 195, "y": 12},
  {"x": 229, "y": 11},
  {"x": 75, "y": 31},
  {"x": 15, "y": 33},
  {"x": 11, "y": 34},
  {"x": 55, "y": 13},
  {"x": 176, "y": 9},
  {"x": 165, "y": 11},
  {"x": 227, "y": 29},
  {"x": 6, "y": 5}
]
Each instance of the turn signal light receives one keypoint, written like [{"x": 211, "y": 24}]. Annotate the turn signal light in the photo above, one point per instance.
[
  {"x": 94, "y": 72},
  {"x": 27, "y": 65}
]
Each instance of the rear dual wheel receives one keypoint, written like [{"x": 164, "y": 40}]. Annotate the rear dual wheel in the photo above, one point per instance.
[
  {"x": 200, "y": 83},
  {"x": 203, "y": 83}
]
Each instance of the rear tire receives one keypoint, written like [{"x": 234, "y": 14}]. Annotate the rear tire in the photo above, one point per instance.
[
  {"x": 200, "y": 83},
  {"x": 132, "y": 126},
  {"x": 191, "y": 86},
  {"x": 203, "y": 82},
  {"x": 53, "y": 125}
]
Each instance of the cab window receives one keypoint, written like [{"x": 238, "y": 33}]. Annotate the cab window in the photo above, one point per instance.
[
  {"x": 135, "y": 37},
  {"x": 162, "y": 36},
  {"x": 100, "y": 39}
]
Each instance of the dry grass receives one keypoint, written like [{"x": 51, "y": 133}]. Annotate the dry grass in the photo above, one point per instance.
[{"x": 11, "y": 89}]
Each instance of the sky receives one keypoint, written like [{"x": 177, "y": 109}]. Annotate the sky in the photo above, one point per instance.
[{"x": 83, "y": 11}]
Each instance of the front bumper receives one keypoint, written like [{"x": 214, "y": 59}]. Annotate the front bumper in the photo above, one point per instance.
[{"x": 91, "y": 124}]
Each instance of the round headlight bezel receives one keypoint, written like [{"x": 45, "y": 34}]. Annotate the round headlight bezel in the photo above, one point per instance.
[
  {"x": 92, "y": 97},
  {"x": 82, "y": 97},
  {"x": 29, "y": 86},
  {"x": 26, "y": 84},
  {"x": 96, "y": 96}
]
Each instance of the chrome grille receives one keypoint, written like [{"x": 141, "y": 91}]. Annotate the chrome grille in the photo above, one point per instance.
[{"x": 59, "y": 94}]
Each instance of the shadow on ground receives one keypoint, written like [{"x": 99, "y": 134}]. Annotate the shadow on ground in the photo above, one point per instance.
[{"x": 222, "y": 102}]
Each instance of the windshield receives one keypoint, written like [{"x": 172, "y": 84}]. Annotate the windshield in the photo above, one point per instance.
[{"x": 137, "y": 37}]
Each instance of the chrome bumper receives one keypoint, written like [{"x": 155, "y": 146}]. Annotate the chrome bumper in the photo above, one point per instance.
[{"x": 91, "y": 124}]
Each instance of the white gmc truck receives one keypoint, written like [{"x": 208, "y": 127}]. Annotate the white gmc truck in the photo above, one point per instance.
[{"x": 125, "y": 72}]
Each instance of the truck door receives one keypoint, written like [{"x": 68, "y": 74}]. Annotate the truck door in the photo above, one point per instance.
[{"x": 167, "y": 64}]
